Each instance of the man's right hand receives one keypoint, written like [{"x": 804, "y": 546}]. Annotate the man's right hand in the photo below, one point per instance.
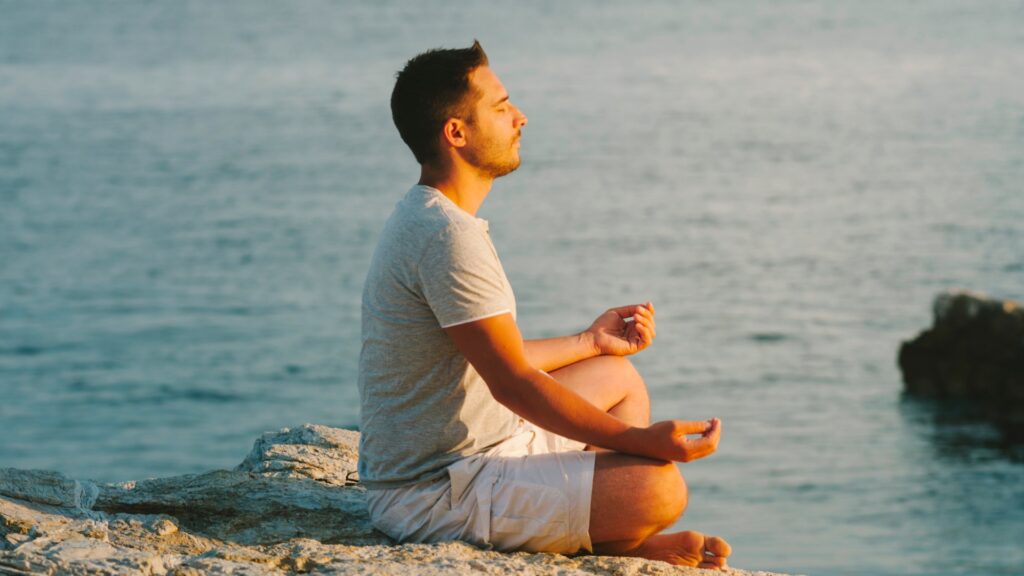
[{"x": 667, "y": 440}]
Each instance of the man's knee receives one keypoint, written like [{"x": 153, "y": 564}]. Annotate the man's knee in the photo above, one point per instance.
[
  {"x": 634, "y": 497},
  {"x": 624, "y": 368},
  {"x": 623, "y": 371},
  {"x": 665, "y": 494},
  {"x": 671, "y": 494},
  {"x": 636, "y": 391}
]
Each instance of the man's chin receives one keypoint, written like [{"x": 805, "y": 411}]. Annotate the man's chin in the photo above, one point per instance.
[{"x": 502, "y": 170}]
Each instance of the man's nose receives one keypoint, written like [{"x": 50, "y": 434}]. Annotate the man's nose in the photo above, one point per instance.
[{"x": 521, "y": 118}]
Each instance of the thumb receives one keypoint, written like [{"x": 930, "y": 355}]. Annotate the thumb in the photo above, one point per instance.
[{"x": 694, "y": 426}]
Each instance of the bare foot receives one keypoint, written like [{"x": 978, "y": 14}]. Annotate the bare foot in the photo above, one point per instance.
[{"x": 687, "y": 549}]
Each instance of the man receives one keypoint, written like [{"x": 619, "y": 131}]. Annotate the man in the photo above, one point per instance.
[{"x": 468, "y": 431}]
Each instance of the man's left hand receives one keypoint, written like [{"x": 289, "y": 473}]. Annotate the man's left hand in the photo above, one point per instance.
[{"x": 624, "y": 330}]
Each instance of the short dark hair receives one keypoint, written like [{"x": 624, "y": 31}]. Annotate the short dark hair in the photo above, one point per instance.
[{"x": 433, "y": 87}]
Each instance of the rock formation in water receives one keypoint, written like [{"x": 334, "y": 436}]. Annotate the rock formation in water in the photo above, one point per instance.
[
  {"x": 293, "y": 506},
  {"x": 974, "y": 351}
]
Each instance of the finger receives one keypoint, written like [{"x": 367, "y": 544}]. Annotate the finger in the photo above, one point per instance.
[
  {"x": 627, "y": 311},
  {"x": 649, "y": 313},
  {"x": 699, "y": 448},
  {"x": 642, "y": 315},
  {"x": 645, "y": 333},
  {"x": 706, "y": 445},
  {"x": 694, "y": 426},
  {"x": 647, "y": 323},
  {"x": 714, "y": 432},
  {"x": 714, "y": 428},
  {"x": 651, "y": 316}
]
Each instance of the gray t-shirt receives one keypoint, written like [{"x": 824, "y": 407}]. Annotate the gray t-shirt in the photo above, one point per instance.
[{"x": 423, "y": 406}]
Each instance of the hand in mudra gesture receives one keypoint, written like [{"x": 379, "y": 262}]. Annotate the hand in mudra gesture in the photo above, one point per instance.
[
  {"x": 671, "y": 439},
  {"x": 624, "y": 330}
]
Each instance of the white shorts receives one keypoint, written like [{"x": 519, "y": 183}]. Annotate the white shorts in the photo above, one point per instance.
[{"x": 531, "y": 492}]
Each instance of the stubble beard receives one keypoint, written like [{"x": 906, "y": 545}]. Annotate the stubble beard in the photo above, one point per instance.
[
  {"x": 497, "y": 170},
  {"x": 497, "y": 161}
]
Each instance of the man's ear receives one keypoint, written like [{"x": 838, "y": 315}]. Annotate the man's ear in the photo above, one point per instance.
[{"x": 454, "y": 132}]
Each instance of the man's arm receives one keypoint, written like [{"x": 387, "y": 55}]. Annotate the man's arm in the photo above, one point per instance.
[
  {"x": 549, "y": 354},
  {"x": 495, "y": 348},
  {"x": 618, "y": 331}
]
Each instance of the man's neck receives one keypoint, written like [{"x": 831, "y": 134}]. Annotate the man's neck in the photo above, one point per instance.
[{"x": 466, "y": 188}]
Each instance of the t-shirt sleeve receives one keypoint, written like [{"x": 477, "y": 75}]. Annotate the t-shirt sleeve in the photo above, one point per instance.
[{"x": 461, "y": 277}]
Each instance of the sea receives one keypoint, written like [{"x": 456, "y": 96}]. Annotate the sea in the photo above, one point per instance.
[{"x": 190, "y": 193}]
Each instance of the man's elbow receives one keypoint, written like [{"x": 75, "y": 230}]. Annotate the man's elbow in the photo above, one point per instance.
[{"x": 511, "y": 389}]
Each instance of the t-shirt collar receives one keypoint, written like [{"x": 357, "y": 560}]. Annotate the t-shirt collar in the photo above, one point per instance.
[{"x": 423, "y": 188}]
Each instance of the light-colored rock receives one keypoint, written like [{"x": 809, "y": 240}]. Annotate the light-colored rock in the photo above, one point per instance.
[
  {"x": 290, "y": 507},
  {"x": 249, "y": 508},
  {"x": 163, "y": 527},
  {"x": 47, "y": 487},
  {"x": 313, "y": 451}
]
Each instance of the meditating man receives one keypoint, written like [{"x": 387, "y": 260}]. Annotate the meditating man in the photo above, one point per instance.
[{"x": 468, "y": 431}]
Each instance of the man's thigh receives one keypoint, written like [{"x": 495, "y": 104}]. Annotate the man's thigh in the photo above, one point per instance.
[
  {"x": 540, "y": 502},
  {"x": 537, "y": 502}
]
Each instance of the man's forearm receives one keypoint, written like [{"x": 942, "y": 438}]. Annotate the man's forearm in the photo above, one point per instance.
[{"x": 553, "y": 353}]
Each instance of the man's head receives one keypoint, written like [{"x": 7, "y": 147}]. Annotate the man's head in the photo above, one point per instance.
[{"x": 452, "y": 96}]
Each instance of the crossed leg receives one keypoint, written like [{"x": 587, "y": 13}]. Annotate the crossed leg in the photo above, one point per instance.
[{"x": 635, "y": 498}]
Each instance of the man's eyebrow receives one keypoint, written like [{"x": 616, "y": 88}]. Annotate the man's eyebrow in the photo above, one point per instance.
[{"x": 503, "y": 99}]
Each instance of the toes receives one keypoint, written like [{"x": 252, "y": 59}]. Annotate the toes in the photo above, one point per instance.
[
  {"x": 696, "y": 549},
  {"x": 717, "y": 546},
  {"x": 712, "y": 563}
]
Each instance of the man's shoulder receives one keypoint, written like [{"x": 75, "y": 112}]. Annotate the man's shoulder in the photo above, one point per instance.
[{"x": 427, "y": 214}]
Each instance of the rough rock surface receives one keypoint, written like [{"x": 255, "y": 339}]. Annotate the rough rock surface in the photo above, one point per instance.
[
  {"x": 292, "y": 506},
  {"x": 974, "y": 350},
  {"x": 319, "y": 452}
]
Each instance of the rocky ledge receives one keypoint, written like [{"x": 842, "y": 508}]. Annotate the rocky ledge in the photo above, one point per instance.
[
  {"x": 973, "y": 352},
  {"x": 293, "y": 506}
]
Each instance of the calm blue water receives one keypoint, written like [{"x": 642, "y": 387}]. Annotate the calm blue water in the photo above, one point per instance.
[{"x": 190, "y": 194}]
